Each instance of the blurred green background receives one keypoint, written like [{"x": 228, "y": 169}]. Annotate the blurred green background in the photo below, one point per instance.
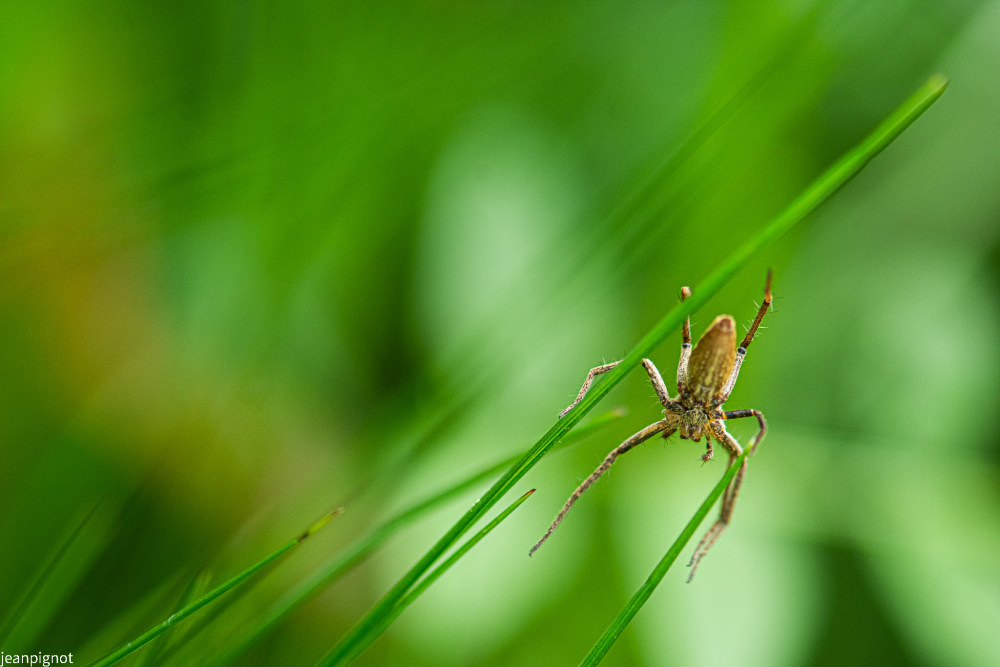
[{"x": 261, "y": 260}]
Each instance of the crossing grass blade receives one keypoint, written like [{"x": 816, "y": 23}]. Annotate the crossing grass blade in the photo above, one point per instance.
[
  {"x": 27, "y": 615},
  {"x": 183, "y": 613},
  {"x": 427, "y": 581},
  {"x": 362, "y": 548},
  {"x": 635, "y": 603},
  {"x": 155, "y": 653}
]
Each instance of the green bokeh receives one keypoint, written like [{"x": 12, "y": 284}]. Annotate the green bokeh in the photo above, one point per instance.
[{"x": 258, "y": 261}]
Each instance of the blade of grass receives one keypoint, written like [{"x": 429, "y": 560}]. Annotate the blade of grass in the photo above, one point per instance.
[
  {"x": 363, "y": 547},
  {"x": 825, "y": 185},
  {"x": 61, "y": 573},
  {"x": 181, "y": 614},
  {"x": 18, "y": 610},
  {"x": 435, "y": 574},
  {"x": 198, "y": 583},
  {"x": 427, "y": 581},
  {"x": 638, "y": 599}
]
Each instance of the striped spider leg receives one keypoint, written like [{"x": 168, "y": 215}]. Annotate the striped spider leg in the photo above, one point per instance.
[{"x": 706, "y": 375}]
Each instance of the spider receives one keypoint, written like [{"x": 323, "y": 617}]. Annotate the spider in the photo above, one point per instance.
[{"x": 706, "y": 376}]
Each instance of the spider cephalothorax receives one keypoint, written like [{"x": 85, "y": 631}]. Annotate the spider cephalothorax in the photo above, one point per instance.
[{"x": 706, "y": 376}]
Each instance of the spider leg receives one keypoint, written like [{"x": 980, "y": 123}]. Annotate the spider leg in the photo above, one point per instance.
[
  {"x": 654, "y": 378},
  {"x": 707, "y": 456},
  {"x": 669, "y": 423},
  {"x": 682, "y": 365},
  {"x": 739, "y": 414},
  {"x": 728, "y": 498},
  {"x": 741, "y": 351}
]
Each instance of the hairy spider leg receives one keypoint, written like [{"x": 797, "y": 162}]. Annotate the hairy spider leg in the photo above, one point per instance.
[
  {"x": 669, "y": 423},
  {"x": 682, "y": 365},
  {"x": 707, "y": 456},
  {"x": 740, "y": 414},
  {"x": 741, "y": 351},
  {"x": 728, "y": 497},
  {"x": 654, "y": 377}
]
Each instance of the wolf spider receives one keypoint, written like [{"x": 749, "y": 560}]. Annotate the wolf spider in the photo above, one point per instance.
[{"x": 706, "y": 376}]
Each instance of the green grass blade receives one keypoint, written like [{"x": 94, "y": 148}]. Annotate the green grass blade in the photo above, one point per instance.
[
  {"x": 637, "y": 600},
  {"x": 363, "y": 547},
  {"x": 369, "y": 627},
  {"x": 198, "y": 583},
  {"x": 825, "y": 185},
  {"x": 185, "y": 612},
  {"x": 68, "y": 555},
  {"x": 427, "y": 581}
]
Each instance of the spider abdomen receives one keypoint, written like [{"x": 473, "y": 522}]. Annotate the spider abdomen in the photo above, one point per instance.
[{"x": 712, "y": 360}]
